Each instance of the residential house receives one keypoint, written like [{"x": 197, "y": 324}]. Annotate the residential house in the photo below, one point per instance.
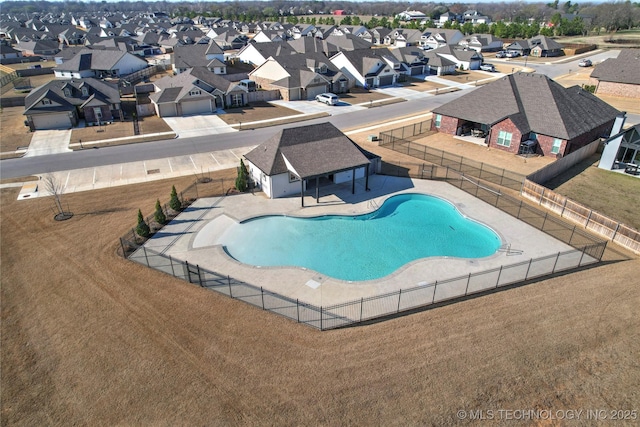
[
  {"x": 402, "y": 37},
  {"x": 267, "y": 36},
  {"x": 60, "y": 104},
  {"x": 195, "y": 91},
  {"x": 474, "y": 17},
  {"x": 448, "y": 17},
  {"x": 300, "y": 76},
  {"x": 100, "y": 64},
  {"x": 481, "y": 43},
  {"x": 297, "y": 159},
  {"x": 439, "y": 65},
  {"x": 369, "y": 68},
  {"x": 44, "y": 48},
  {"x": 539, "y": 46},
  {"x": 7, "y": 52},
  {"x": 528, "y": 111},
  {"x": 379, "y": 35},
  {"x": 198, "y": 55},
  {"x": 464, "y": 59},
  {"x": 433, "y": 38},
  {"x": 413, "y": 60},
  {"x": 618, "y": 76}
]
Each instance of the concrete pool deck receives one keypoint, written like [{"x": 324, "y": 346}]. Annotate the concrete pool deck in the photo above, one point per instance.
[{"x": 193, "y": 236}]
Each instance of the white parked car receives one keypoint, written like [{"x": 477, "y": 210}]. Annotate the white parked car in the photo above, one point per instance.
[
  {"x": 328, "y": 98},
  {"x": 487, "y": 67},
  {"x": 513, "y": 54}
]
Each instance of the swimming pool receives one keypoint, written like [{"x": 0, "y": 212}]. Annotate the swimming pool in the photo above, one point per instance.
[{"x": 405, "y": 228}]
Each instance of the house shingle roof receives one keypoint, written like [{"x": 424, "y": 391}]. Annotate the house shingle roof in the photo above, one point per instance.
[
  {"x": 623, "y": 69},
  {"x": 312, "y": 150},
  {"x": 535, "y": 103},
  {"x": 54, "y": 90}
]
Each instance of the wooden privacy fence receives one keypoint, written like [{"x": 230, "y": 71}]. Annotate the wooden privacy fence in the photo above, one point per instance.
[{"x": 593, "y": 221}]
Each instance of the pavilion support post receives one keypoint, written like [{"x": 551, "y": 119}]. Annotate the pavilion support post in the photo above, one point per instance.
[
  {"x": 302, "y": 192},
  {"x": 366, "y": 178},
  {"x": 353, "y": 181},
  {"x": 317, "y": 189}
]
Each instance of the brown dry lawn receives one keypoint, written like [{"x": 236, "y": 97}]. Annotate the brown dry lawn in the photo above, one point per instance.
[
  {"x": 151, "y": 124},
  {"x": 13, "y": 132},
  {"x": 92, "y": 339},
  {"x": 255, "y": 112}
]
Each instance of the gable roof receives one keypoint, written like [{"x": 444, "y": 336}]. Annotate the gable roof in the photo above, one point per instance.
[
  {"x": 535, "y": 103},
  {"x": 106, "y": 92},
  {"x": 174, "y": 88},
  {"x": 312, "y": 150},
  {"x": 90, "y": 59}
]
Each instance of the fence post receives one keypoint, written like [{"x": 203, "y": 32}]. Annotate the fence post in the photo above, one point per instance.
[
  {"x": 321, "y": 318},
  {"x": 572, "y": 232},
  {"x": 298, "y": 309},
  {"x": 173, "y": 273},
  {"x": 555, "y": 263},
  {"x": 498, "y": 279},
  {"x": 468, "y": 281},
  {"x": 361, "y": 304},
  {"x": 541, "y": 196},
  {"x": 435, "y": 288},
  {"x": 528, "y": 267},
  {"x": 544, "y": 221},
  {"x": 519, "y": 208},
  {"x": 399, "y": 296},
  {"x": 588, "y": 219},
  {"x": 563, "y": 207},
  {"x": 582, "y": 256},
  {"x": 612, "y": 237},
  {"x": 199, "y": 276},
  {"x": 229, "y": 282},
  {"x": 144, "y": 249}
]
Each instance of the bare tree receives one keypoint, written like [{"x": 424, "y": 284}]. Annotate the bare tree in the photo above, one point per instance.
[{"x": 55, "y": 188}]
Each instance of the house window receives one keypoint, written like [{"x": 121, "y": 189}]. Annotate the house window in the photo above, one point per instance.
[
  {"x": 293, "y": 177},
  {"x": 46, "y": 102},
  {"x": 97, "y": 112},
  {"x": 67, "y": 92},
  {"x": 236, "y": 99},
  {"x": 557, "y": 143},
  {"x": 85, "y": 91},
  {"x": 194, "y": 92},
  {"x": 438, "y": 120},
  {"x": 533, "y": 136},
  {"x": 504, "y": 138}
]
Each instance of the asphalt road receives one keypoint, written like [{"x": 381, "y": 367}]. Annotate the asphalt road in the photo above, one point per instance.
[{"x": 25, "y": 166}]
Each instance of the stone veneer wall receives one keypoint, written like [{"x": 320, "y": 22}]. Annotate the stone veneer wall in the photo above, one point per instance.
[{"x": 617, "y": 89}]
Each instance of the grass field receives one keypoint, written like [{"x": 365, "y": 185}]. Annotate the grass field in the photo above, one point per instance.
[{"x": 92, "y": 339}]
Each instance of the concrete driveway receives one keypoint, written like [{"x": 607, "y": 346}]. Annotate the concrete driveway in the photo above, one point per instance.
[
  {"x": 44, "y": 142},
  {"x": 314, "y": 107},
  {"x": 198, "y": 125}
]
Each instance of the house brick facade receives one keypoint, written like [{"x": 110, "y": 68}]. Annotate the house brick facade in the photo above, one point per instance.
[
  {"x": 507, "y": 126},
  {"x": 448, "y": 125},
  {"x": 616, "y": 89}
]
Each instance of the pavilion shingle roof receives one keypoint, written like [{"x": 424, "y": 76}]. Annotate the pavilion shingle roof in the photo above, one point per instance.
[
  {"x": 312, "y": 150},
  {"x": 534, "y": 103}
]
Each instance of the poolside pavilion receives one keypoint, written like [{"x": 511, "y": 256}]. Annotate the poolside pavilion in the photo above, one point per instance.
[{"x": 287, "y": 162}]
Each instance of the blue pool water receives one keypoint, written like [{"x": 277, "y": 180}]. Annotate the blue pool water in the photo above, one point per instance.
[{"x": 405, "y": 228}]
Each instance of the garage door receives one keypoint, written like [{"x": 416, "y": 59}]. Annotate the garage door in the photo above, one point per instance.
[
  {"x": 316, "y": 90},
  {"x": 196, "y": 107},
  {"x": 417, "y": 70},
  {"x": 167, "y": 110},
  {"x": 386, "y": 80},
  {"x": 52, "y": 121}
]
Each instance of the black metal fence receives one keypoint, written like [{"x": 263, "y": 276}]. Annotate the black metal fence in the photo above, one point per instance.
[
  {"x": 400, "y": 140},
  {"x": 587, "y": 250}
]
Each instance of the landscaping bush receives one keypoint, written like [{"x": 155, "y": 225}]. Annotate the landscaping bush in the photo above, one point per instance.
[
  {"x": 142, "y": 228},
  {"x": 159, "y": 215},
  {"x": 243, "y": 177},
  {"x": 175, "y": 202}
]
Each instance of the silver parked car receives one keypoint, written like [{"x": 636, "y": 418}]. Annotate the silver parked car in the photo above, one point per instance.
[{"x": 328, "y": 98}]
